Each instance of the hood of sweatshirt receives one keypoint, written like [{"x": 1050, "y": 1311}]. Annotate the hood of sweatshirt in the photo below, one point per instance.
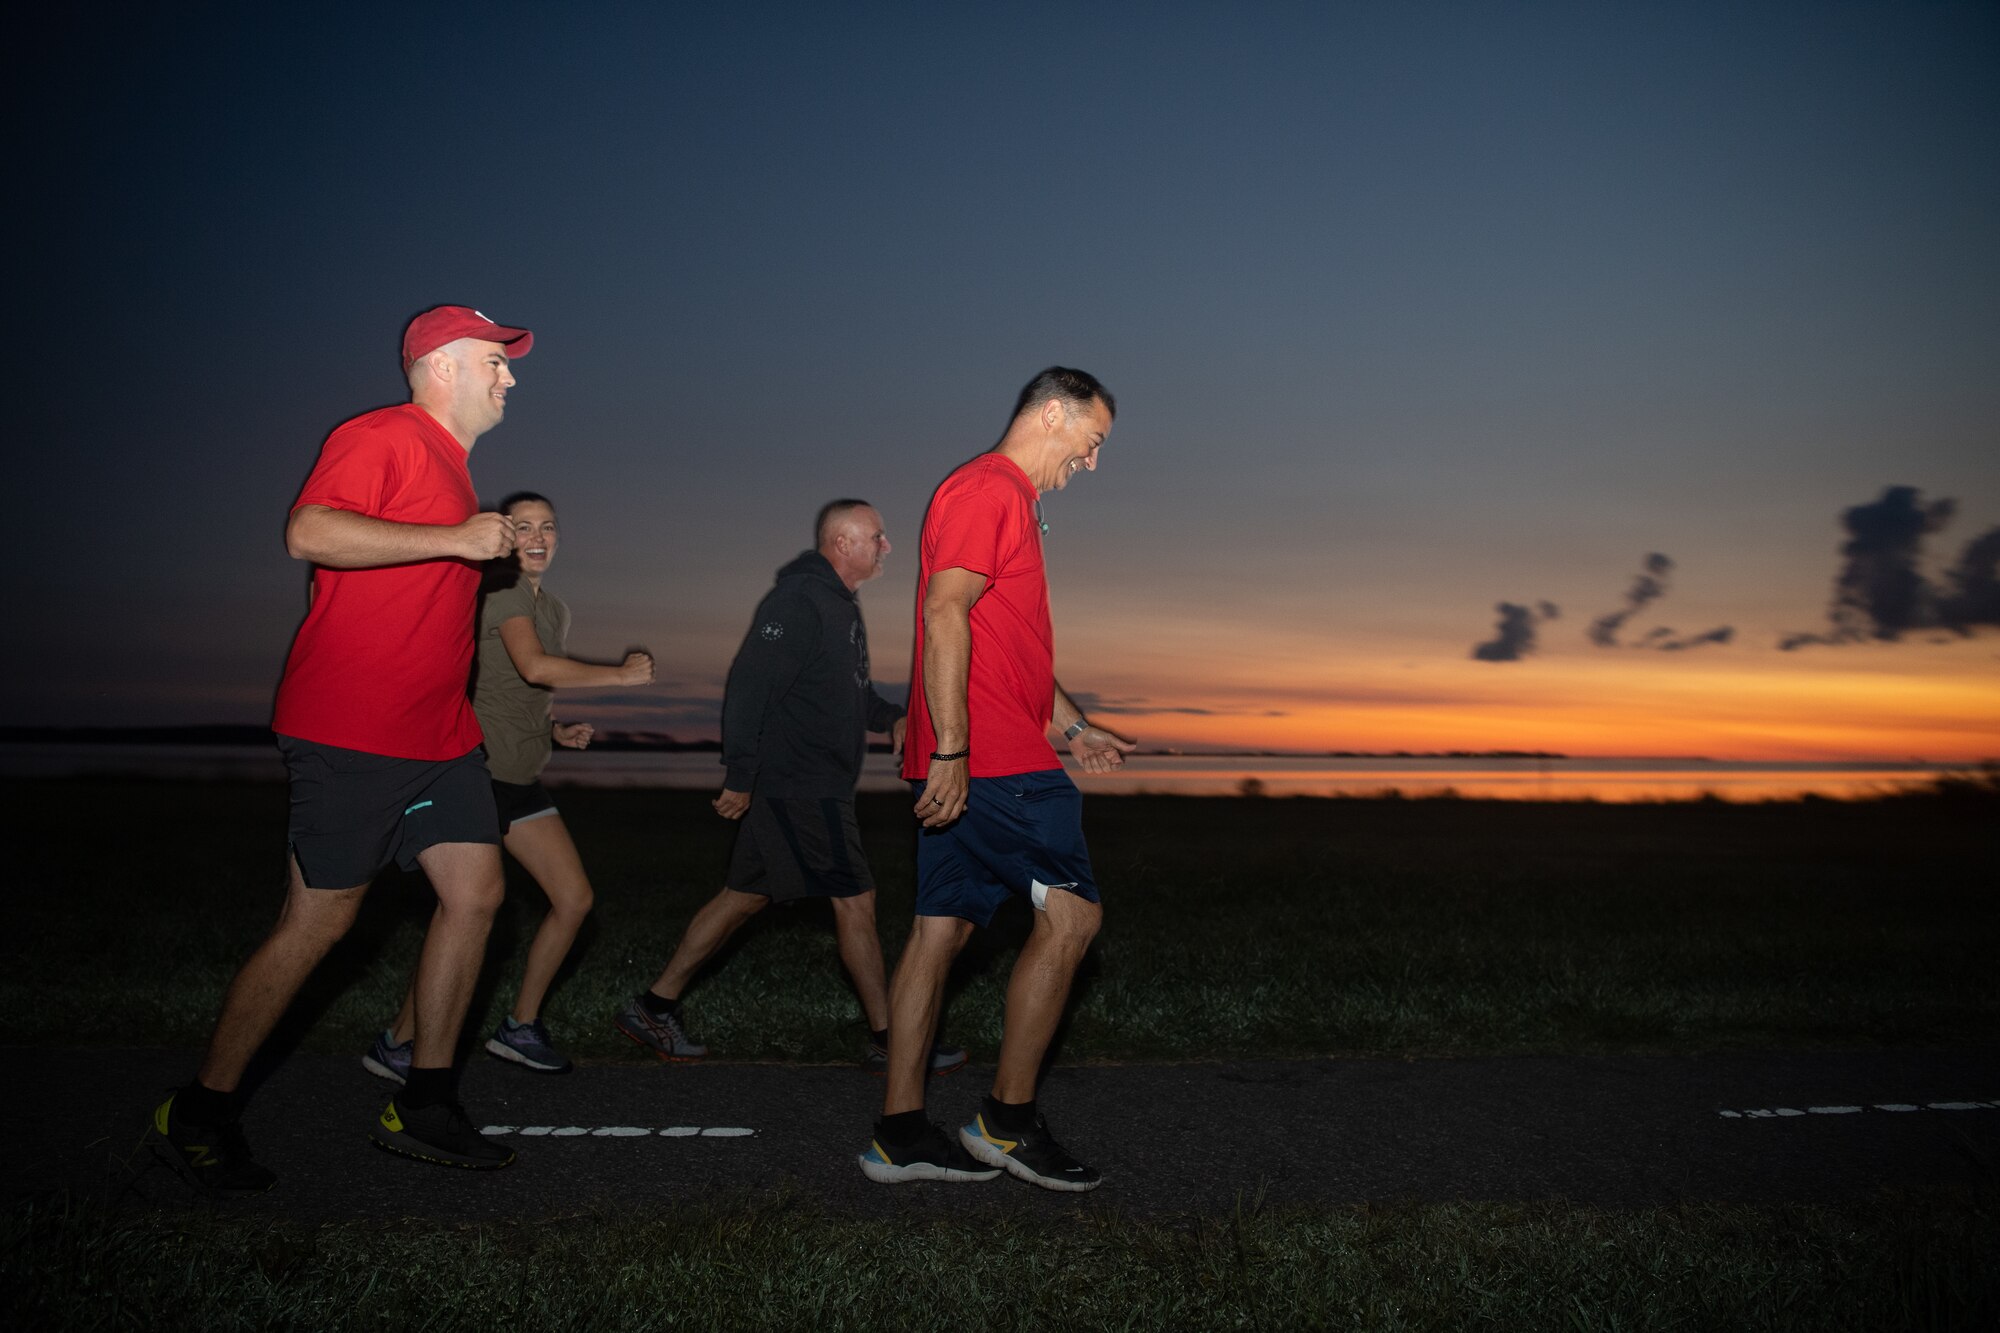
[{"x": 813, "y": 565}]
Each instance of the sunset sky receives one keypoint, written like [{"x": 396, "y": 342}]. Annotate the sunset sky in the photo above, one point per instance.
[{"x": 1411, "y": 310}]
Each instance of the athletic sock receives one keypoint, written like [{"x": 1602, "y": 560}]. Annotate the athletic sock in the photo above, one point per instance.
[
  {"x": 904, "y": 1127},
  {"x": 425, "y": 1087},
  {"x": 659, "y": 1006},
  {"x": 880, "y": 1036},
  {"x": 199, "y": 1104},
  {"x": 1009, "y": 1117}
]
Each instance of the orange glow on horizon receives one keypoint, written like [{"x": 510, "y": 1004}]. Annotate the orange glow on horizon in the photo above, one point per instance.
[{"x": 1863, "y": 704}]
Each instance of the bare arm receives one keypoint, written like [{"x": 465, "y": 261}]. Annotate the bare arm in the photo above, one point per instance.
[
  {"x": 1097, "y": 749},
  {"x": 947, "y": 615},
  {"x": 1066, "y": 712},
  {"x": 524, "y": 649},
  {"x": 342, "y": 539}
]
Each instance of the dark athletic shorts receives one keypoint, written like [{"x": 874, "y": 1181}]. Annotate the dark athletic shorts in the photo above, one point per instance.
[
  {"x": 355, "y": 812},
  {"x": 799, "y": 847},
  {"x": 1020, "y": 835},
  {"x": 517, "y": 802}
]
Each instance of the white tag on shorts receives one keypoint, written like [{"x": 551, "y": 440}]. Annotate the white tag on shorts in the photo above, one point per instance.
[{"x": 1038, "y": 893}]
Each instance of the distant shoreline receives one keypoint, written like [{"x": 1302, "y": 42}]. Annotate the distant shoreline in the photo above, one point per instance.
[
  {"x": 238, "y": 734},
  {"x": 659, "y": 742}
]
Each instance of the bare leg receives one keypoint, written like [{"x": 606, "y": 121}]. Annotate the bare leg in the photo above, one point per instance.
[
  {"x": 861, "y": 954},
  {"x": 914, "y": 998},
  {"x": 467, "y": 879},
  {"x": 710, "y": 929},
  {"x": 310, "y": 923},
  {"x": 543, "y": 847},
  {"x": 405, "y": 1025},
  {"x": 1038, "y": 990}
]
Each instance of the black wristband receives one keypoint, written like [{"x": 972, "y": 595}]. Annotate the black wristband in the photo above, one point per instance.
[{"x": 947, "y": 757}]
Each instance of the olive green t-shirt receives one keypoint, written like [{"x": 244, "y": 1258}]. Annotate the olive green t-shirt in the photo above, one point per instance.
[{"x": 514, "y": 714}]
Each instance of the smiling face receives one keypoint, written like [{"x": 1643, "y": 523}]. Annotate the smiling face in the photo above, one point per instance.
[
  {"x": 534, "y": 537},
  {"x": 1073, "y": 440},
  {"x": 483, "y": 378}
]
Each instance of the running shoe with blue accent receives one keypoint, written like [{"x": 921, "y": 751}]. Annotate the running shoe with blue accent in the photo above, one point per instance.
[
  {"x": 387, "y": 1059},
  {"x": 932, "y": 1157},
  {"x": 527, "y": 1044},
  {"x": 1032, "y": 1154},
  {"x": 944, "y": 1059}
]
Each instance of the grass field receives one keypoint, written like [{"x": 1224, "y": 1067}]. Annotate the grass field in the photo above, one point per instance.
[
  {"x": 1910, "y": 1265},
  {"x": 1234, "y": 927}
]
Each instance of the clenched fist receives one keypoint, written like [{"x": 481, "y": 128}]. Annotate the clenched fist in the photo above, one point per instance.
[{"x": 485, "y": 536}]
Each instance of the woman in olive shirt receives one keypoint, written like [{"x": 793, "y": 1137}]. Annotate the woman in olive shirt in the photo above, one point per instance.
[{"x": 522, "y": 660}]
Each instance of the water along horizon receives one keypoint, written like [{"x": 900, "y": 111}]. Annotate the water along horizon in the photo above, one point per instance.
[{"x": 1534, "y": 779}]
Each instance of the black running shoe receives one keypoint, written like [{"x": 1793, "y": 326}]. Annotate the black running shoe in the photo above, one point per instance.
[
  {"x": 1032, "y": 1154},
  {"x": 214, "y": 1157},
  {"x": 933, "y": 1157},
  {"x": 440, "y": 1134}
]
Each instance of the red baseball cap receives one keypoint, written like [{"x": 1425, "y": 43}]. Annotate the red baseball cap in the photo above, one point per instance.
[{"x": 448, "y": 323}]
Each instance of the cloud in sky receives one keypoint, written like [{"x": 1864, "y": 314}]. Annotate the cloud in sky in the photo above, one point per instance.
[
  {"x": 1514, "y": 633},
  {"x": 1091, "y": 702},
  {"x": 1649, "y": 586},
  {"x": 686, "y": 716},
  {"x": 1882, "y": 593},
  {"x": 1720, "y": 634},
  {"x": 1971, "y": 596}
]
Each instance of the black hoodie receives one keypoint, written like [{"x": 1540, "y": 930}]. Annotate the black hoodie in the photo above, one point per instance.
[{"x": 799, "y": 704}]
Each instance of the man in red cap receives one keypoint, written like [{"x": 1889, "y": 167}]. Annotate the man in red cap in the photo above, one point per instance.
[{"x": 380, "y": 741}]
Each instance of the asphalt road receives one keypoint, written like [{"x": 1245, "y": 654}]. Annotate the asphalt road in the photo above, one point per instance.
[{"x": 1171, "y": 1139}]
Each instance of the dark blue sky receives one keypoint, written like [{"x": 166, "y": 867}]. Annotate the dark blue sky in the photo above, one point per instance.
[{"x": 1410, "y": 309}]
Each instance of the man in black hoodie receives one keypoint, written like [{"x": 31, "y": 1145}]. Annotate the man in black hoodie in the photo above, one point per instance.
[{"x": 795, "y": 718}]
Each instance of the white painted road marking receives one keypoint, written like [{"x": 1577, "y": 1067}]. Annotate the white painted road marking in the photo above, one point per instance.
[
  {"x": 618, "y": 1131},
  {"x": 1778, "y": 1111}
]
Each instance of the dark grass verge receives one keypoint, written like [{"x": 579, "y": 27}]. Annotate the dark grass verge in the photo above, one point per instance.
[
  {"x": 1895, "y": 1263},
  {"x": 1240, "y": 927}
]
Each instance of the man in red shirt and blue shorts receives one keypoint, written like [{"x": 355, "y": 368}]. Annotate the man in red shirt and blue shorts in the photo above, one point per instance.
[
  {"x": 1000, "y": 817},
  {"x": 380, "y": 741}
]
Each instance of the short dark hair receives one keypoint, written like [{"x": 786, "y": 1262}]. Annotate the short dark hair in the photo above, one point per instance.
[
  {"x": 1075, "y": 388},
  {"x": 830, "y": 511},
  {"x": 524, "y": 497}
]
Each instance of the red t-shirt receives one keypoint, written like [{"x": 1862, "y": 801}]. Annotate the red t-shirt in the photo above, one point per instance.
[
  {"x": 381, "y": 662},
  {"x": 982, "y": 519}
]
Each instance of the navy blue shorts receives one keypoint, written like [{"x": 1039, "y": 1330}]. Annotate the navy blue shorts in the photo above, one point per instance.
[
  {"x": 1020, "y": 835},
  {"x": 355, "y": 812}
]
